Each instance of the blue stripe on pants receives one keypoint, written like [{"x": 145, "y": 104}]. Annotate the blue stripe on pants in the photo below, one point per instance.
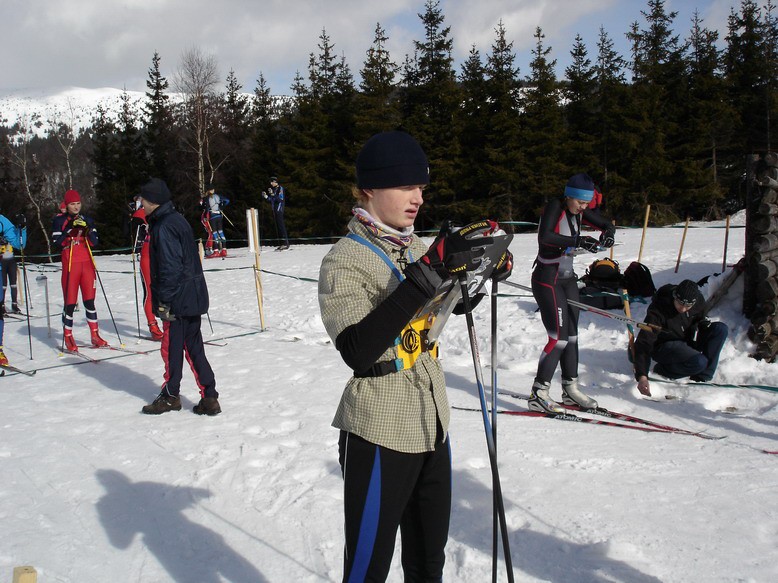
[{"x": 369, "y": 525}]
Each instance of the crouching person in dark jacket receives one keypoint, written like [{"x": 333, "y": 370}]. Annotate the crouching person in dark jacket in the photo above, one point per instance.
[
  {"x": 179, "y": 297},
  {"x": 688, "y": 345}
]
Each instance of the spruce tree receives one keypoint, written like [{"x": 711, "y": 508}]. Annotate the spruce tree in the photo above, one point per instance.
[
  {"x": 158, "y": 117},
  {"x": 376, "y": 102}
]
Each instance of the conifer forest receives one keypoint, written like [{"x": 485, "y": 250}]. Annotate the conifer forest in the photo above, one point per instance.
[{"x": 670, "y": 124}]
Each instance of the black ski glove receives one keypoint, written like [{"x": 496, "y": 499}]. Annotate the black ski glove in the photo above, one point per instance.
[
  {"x": 450, "y": 254},
  {"x": 588, "y": 243},
  {"x": 607, "y": 237},
  {"x": 163, "y": 311}
]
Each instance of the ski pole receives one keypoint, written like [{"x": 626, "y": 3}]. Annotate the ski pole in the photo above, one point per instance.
[
  {"x": 26, "y": 294},
  {"x": 135, "y": 278},
  {"x": 490, "y": 443},
  {"x": 641, "y": 325},
  {"x": 495, "y": 517},
  {"x": 45, "y": 281},
  {"x": 107, "y": 303},
  {"x": 67, "y": 290}
]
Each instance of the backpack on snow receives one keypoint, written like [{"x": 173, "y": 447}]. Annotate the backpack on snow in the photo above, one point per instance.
[
  {"x": 601, "y": 283},
  {"x": 637, "y": 280}
]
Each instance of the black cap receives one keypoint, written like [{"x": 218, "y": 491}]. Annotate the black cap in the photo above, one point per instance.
[
  {"x": 686, "y": 292},
  {"x": 155, "y": 191},
  {"x": 391, "y": 159}
]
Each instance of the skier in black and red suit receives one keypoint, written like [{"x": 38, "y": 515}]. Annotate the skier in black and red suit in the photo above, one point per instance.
[{"x": 140, "y": 230}]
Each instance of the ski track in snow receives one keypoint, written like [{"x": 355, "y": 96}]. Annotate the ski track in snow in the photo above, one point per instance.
[{"x": 92, "y": 490}]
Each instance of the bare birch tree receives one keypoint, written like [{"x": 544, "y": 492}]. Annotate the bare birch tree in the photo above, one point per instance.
[{"x": 196, "y": 81}]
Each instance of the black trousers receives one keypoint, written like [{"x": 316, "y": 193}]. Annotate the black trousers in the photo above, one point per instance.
[
  {"x": 182, "y": 337},
  {"x": 386, "y": 489},
  {"x": 560, "y": 320}
]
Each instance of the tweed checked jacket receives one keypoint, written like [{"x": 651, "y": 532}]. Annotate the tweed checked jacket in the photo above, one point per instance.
[{"x": 400, "y": 410}]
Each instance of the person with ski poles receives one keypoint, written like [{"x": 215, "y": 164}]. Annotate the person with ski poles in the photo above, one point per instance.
[
  {"x": 13, "y": 236},
  {"x": 140, "y": 230},
  {"x": 212, "y": 205},
  {"x": 554, "y": 282},
  {"x": 393, "y": 416},
  {"x": 688, "y": 345},
  {"x": 179, "y": 295},
  {"x": 76, "y": 234},
  {"x": 276, "y": 196}
]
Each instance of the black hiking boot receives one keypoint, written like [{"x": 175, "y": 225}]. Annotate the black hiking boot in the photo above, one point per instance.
[
  {"x": 162, "y": 404},
  {"x": 207, "y": 406}
]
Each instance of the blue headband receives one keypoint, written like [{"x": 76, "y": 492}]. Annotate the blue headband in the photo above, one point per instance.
[{"x": 579, "y": 193}]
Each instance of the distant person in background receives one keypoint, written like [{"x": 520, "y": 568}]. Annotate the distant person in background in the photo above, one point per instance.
[
  {"x": 554, "y": 282},
  {"x": 213, "y": 204},
  {"x": 276, "y": 196},
  {"x": 76, "y": 234},
  {"x": 13, "y": 237},
  {"x": 596, "y": 203},
  {"x": 179, "y": 295},
  {"x": 688, "y": 345}
]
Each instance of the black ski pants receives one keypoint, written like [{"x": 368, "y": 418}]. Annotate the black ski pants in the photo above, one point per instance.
[
  {"x": 386, "y": 489},
  {"x": 560, "y": 320},
  {"x": 182, "y": 337}
]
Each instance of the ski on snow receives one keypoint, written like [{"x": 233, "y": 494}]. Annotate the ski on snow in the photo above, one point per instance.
[
  {"x": 602, "y": 411},
  {"x": 594, "y": 421},
  {"x": 9, "y": 368},
  {"x": 117, "y": 348},
  {"x": 713, "y": 384},
  {"x": 66, "y": 352}
]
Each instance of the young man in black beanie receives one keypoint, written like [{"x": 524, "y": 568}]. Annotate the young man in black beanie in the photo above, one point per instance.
[
  {"x": 179, "y": 297},
  {"x": 688, "y": 345},
  {"x": 393, "y": 416}
]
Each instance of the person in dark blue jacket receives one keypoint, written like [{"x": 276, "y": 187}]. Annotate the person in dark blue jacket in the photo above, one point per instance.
[
  {"x": 179, "y": 296},
  {"x": 276, "y": 196}
]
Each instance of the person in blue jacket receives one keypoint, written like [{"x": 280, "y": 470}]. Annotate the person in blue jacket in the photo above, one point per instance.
[
  {"x": 12, "y": 237},
  {"x": 179, "y": 296},
  {"x": 276, "y": 196}
]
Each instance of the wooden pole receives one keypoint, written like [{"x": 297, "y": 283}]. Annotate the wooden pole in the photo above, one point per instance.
[
  {"x": 25, "y": 575},
  {"x": 612, "y": 246},
  {"x": 726, "y": 243},
  {"x": 683, "y": 240},
  {"x": 254, "y": 246},
  {"x": 643, "y": 237}
]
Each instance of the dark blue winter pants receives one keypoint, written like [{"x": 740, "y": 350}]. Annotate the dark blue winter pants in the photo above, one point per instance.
[
  {"x": 677, "y": 359},
  {"x": 385, "y": 489},
  {"x": 279, "y": 216},
  {"x": 182, "y": 337}
]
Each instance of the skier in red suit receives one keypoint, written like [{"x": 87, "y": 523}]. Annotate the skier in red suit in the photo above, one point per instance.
[
  {"x": 76, "y": 235},
  {"x": 141, "y": 240}
]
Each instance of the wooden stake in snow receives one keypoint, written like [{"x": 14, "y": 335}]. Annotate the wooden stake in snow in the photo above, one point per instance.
[
  {"x": 252, "y": 224},
  {"x": 726, "y": 243},
  {"x": 683, "y": 240},
  {"x": 25, "y": 575},
  {"x": 643, "y": 237}
]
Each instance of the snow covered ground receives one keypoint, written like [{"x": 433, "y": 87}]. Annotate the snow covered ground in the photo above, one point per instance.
[{"x": 92, "y": 490}]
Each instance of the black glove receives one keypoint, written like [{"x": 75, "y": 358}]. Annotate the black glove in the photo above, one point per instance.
[
  {"x": 504, "y": 267},
  {"x": 20, "y": 220},
  {"x": 589, "y": 243},
  {"x": 163, "y": 311},
  {"x": 450, "y": 254},
  {"x": 606, "y": 238}
]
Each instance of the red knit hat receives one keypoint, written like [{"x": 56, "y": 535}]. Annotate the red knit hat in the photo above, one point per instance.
[{"x": 72, "y": 196}]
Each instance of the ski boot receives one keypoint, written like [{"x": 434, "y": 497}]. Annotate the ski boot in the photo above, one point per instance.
[
  {"x": 97, "y": 341},
  {"x": 70, "y": 342},
  {"x": 156, "y": 333},
  {"x": 223, "y": 253},
  {"x": 3, "y": 358},
  {"x": 15, "y": 308},
  {"x": 571, "y": 395},
  {"x": 540, "y": 401}
]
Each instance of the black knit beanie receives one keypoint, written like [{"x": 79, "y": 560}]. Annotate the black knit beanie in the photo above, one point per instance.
[
  {"x": 392, "y": 159},
  {"x": 686, "y": 292},
  {"x": 155, "y": 191}
]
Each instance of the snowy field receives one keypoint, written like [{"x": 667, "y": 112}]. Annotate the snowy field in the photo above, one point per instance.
[{"x": 94, "y": 491}]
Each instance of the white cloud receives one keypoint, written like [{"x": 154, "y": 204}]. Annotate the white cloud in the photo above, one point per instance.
[{"x": 97, "y": 43}]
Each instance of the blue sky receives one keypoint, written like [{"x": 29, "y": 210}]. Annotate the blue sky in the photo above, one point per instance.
[{"x": 109, "y": 43}]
